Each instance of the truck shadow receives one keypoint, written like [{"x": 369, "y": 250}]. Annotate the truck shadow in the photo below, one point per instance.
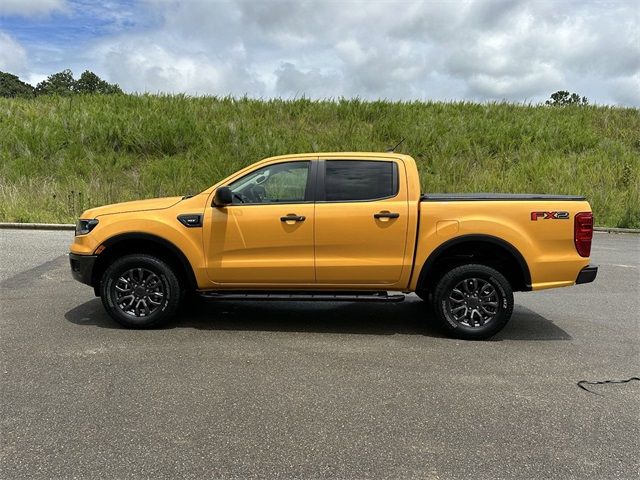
[{"x": 412, "y": 317}]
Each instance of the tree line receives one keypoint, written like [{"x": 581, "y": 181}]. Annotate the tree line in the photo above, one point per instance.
[{"x": 61, "y": 83}]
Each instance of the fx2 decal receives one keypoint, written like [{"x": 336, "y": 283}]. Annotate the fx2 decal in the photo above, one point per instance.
[{"x": 549, "y": 215}]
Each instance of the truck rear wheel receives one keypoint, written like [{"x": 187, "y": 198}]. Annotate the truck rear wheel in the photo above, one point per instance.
[
  {"x": 140, "y": 291},
  {"x": 473, "y": 302}
]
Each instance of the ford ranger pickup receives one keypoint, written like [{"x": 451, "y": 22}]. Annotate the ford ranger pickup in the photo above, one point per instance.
[{"x": 334, "y": 226}]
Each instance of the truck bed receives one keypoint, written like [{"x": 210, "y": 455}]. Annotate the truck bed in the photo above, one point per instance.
[{"x": 471, "y": 197}]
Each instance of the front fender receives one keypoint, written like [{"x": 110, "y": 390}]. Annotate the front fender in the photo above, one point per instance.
[{"x": 161, "y": 224}]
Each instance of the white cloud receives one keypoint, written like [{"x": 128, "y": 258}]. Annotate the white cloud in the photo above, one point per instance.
[
  {"x": 31, "y": 7},
  {"x": 626, "y": 90},
  {"x": 521, "y": 87},
  {"x": 292, "y": 82},
  {"x": 141, "y": 64},
  {"x": 35, "y": 78},
  {"x": 13, "y": 57},
  {"x": 480, "y": 50}
]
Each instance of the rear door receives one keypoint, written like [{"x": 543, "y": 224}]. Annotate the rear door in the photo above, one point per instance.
[{"x": 361, "y": 220}]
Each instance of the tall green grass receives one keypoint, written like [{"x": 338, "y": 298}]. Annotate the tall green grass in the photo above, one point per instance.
[{"x": 59, "y": 156}]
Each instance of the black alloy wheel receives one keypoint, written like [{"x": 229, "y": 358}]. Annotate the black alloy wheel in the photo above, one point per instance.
[
  {"x": 473, "y": 302},
  {"x": 140, "y": 291}
]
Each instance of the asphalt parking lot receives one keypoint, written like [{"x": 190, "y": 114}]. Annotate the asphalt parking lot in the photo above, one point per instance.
[{"x": 315, "y": 390}]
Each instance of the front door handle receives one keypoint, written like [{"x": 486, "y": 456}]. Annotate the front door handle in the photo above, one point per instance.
[
  {"x": 292, "y": 217},
  {"x": 386, "y": 214}
]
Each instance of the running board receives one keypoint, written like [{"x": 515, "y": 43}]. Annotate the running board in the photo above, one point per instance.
[{"x": 305, "y": 296}]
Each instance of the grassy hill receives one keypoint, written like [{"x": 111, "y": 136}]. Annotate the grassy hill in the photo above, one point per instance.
[{"x": 59, "y": 156}]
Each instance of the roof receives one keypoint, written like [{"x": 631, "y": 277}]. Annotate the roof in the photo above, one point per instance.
[{"x": 339, "y": 154}]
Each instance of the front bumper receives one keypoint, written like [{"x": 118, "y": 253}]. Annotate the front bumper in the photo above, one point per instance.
[
  {"x": 587, "y": 274},
  {"x": 82, "y": 267}
]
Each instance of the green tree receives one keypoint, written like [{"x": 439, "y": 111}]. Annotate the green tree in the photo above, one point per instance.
[
  {"x": 563, "y": 98},
  {"x": 89, "y": 82},
  {"x": 12, "y": 86},
  {"x": 61, "y": 83}
]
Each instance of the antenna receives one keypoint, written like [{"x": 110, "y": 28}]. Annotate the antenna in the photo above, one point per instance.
[{"x": 393, "y": 149}]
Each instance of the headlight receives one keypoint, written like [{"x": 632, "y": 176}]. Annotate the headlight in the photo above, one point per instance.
[{"x": 85, "y": 226}]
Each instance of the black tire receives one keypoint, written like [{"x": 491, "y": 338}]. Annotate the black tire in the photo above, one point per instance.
[
  {"x": 150, "y": 281},
  {"x": 471, "y": 314}
]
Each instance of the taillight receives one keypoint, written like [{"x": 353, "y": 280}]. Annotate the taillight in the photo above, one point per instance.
[{"x": 583, "y": 233}]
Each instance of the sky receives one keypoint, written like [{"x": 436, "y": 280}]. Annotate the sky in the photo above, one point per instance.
[{"x": 489, "y": 50}]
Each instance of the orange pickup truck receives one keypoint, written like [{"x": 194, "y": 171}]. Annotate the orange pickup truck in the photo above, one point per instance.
[{"x": 333, "y": 226}]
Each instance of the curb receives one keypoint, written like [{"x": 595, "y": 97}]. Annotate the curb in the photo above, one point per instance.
[
  {"x": 39, "y": 226},
  {"x": 70, "y": 226},
  {"x": 616, "y": 230}
]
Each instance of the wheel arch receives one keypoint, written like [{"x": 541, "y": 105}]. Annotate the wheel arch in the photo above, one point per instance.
[
  {"x": 139, "y": 242},
  {"x": 478, "y": 248}
]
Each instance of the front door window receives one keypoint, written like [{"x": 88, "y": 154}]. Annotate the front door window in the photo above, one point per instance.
[{"x": 277, "y": 183}]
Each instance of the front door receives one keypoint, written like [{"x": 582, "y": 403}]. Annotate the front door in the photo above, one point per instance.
[
  {"x": 361, "y": 222},
  {"x": 266, "y": 236}
]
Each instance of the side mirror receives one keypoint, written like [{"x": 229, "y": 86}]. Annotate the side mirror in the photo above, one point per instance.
[{"x": 222, "y": 197}]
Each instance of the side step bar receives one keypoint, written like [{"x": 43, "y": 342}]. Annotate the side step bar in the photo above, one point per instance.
[{"x": 326, "y": 296}]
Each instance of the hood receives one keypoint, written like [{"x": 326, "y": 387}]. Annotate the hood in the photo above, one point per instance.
[{"x": 135, "y": 206}]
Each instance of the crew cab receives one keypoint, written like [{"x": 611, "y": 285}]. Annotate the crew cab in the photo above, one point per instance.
[{"x": 333, "y": 226}]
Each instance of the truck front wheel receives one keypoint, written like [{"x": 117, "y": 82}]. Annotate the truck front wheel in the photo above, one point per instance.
[
  {"x": 473, "y": 302},
  {"x": 140, "y": 291}
]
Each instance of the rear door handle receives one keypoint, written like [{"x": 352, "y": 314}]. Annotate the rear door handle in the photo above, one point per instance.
[
  {"x": 385, "y": 214},
  {"x": 292, "y": 217}
]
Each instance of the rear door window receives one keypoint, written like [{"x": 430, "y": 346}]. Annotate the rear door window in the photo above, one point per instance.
[{"x": 360, "y": 180}]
